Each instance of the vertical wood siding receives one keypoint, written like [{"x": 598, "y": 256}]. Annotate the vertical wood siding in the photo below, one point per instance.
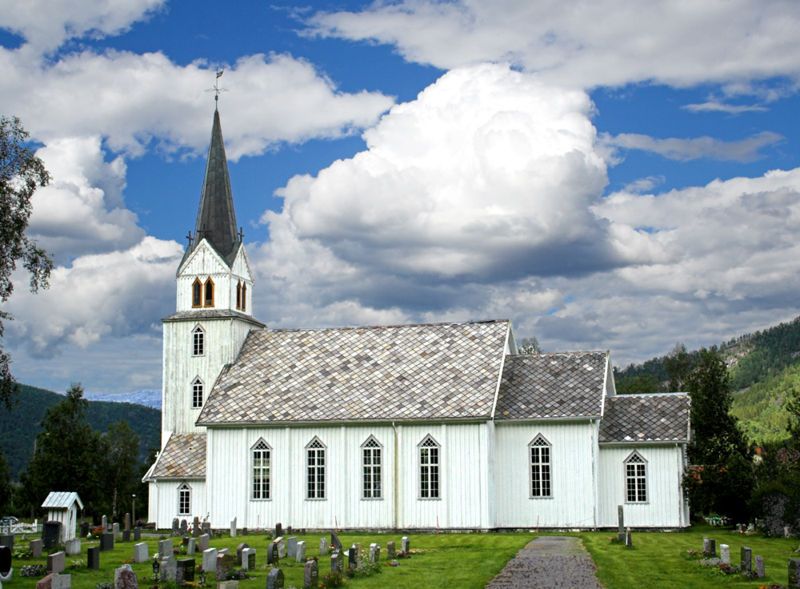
[
  {"x": 204, "y": 263},
  {"x": 163, "y": 502}
]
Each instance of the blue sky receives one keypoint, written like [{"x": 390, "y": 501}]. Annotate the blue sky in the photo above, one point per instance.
[{"x": 606, "y": 187}]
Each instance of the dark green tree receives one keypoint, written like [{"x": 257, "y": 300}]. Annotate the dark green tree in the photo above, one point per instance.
[
  {"x": 6, "y": 490},
  {"x": 793, "y": 407},
  {"x": 21, "y": 172},
  {"x": 122, "y": 466},
  {"x": 529, "y": 345},
  {"x": 641, "y": 383},
  {"x": 678, "y": 364}
]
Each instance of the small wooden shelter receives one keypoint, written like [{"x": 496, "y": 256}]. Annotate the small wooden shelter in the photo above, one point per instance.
[{"x": 62, "y": 506}]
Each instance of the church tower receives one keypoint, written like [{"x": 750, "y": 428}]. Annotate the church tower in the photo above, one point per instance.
[{"x": 214, "y": 301}]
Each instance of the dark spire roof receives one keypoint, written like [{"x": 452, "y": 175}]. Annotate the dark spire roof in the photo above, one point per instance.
[{"x": 216, "y": 218}]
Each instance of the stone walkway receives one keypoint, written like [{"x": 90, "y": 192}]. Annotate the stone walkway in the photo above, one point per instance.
[{"x": 549, "y": 562}]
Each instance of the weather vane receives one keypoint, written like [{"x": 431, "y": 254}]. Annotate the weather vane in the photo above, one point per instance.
[{"x": 217, "y": 89}]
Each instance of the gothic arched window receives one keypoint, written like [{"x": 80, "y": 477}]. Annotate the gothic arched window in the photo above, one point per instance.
[
  {"x": 429, "y": 451},
  {"x": 635, "y": 479},
  {"x": 184, "y": 499},
  {"x": 197, "y": 393},
  {"x": 371, "y": 468},
  {"x": 315, "y": 469},
  {"x": 198, "y": 341},
  {"x": 208, "y": 299},
  {"x": 197, "y": 293},
  {"x": 262, "y": 454},
  {"x": 540, "y": 456},
  {"x": 239, "y": 295}
]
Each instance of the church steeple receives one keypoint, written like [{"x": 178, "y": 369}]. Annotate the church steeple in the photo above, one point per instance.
[{"x": 216, "y": 217}]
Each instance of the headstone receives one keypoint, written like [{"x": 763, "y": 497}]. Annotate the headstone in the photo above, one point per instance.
[
  {"x": 709, "y": 547},
  {"x": 620, "y": 523},
  {"x": 107, "y": 541},
  {"x": 126, "y": 535},
  {"x": 184, "y": 527},
  {"x": 760, "y": 572},
  {"x": 225, "y": 562},
  {"x": 115, "y": 530},
  {"x": 104, "y": 523},
  {"x": 288, "y": 530},
  {"x": 72, "y": 547},
  {"x": 391, "y": 552},
  {"x": 176, "y": 526},
  {"x": 787, "y": 531},
  {"x": 311, "y": 574},
  {"x": 337, "y": 564},
  {"x": 275, "y": 579},
  {"x": 291, "y": 547},
  {"x": 140, "y": 552},
  {"x": 51, "y": 532},
  {"x": 168, "y": 568},
  {"x": 281, "y": 548},
  {"x": 336, "y": 544},
  {"x": 239, "y": 549},
  {"x": 278, "y": 530},
  {"x": 794, "y": 573},
  {"x": 248, "y": 559},
  {"x": 228, "y": 584},
  {"x": 628, "y": 538},
  {"x": 233, "y": 528},
  {"x": 55, "y": 581},
  {"x": 185, "y": 572},
  {"x": 93, "y": 558},
  {"x": 273, "y": 553},
  {"x": 127, "y": 520},
  {"x": 352, "y": 557},
  {"x": 164, "y": 547},
  {"x": 210, "y": 560},
  {"x": 45, "y": 582},
  {"x": 323, "y": 547},
  {"x": 36, "y": 548},
  {"x": 137, "y": 534},
  {"x": 191, "y": 546},
  {"x": 300, "y": 551},
  {"x": 725, "y": 553},
  {"x": 125, "y": 578},
  {"x": 374, "y": 552},
  {"x": 746, "y": 560},
  {"x": 405, "y": 545},
  {"x": 202, "y": 542},
  {"x": 5, "y": 563},
  {"x": 7, "y": 540},
  {"x": 206, "y": 527},
  {"x": 196, "y": 527},
  {"x": 55, "y": 562}
]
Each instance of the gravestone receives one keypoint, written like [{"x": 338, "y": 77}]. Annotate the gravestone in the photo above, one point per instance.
[
  {"x": 185, "y": 571},
  {"x": 206, "y": 527},
  {"x": 115, "y": 530},
  {"x": 196, "y": 526},
  {"x": 36, "y": 548},
  {"x": 228, "y": 585},
  {"x": 288, "y": 530},
  {"x": 137, "y": 534},
  {"x": 281, "y": 548},
  {"x": 275, "y": 579},
  {"x": 107, "y": 541},
  {"x": 352, "y": 558},
  {"x": 225, "y": 562},
  {"x": 72, "y": 547},
  {"x": 191, "y": 546},
  {"x": 45, "y": 582},
  {"x": 184, "y": 527},
  {"x": 794, "y": 573},
  {"x": 210, "y": 560},
  {"x": 6, "y": 570},
  {"x": 278, "y": 530},
  {"x": 202, "y": 542},
  {"x": 291, "y": 547},
  {"x": 273, "y": 554},
  {"x": 55, "y": 581},
  {"x": 93, "y": 558},
  {"x": 300, "y": 552},
  {"x": 311, "y": 574},
  {"x": 725, "y": 553},
  {"x": 51, "y": 532},
  {"x": 127, "y": 520},
  {"x": 620, "y": 524},
  {"x": 405, "y": 545},
  {"x": 391, "y": 552},
  {"x": 104, "y": 523},
  {"x": 168, "y": 568},
  {"x": 126, "y": 535},
  {"x": 7, "y": 540},
  {"x": 164, "y": 547},
  {"x": 323, "y": 547},
  {"x": 760, "y": 572},
  {"x": 337, "y": 564},
  {"x": 787, "y": 531},
  {"x": 140, "y": 552},
  {"x": 248, "y": 559},
  {"x": 374, "y": 553},
  {"x": 176, "y": 526},
  {"x": 233, "y": 528},
  {"x": 125, "y": 578},
  {"x": 746, "y": 560},
  {"x": 55, "y": 562},
  {"x": 336, "y": 544},
  {"x": 709, "y": 547},
  {"x": 241, "y": 548}
]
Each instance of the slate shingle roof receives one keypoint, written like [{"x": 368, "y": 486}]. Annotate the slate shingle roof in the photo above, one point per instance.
[
  {"x": 560, "y": 385},
  {"x": 406, "y": 372},
  {"x": 646, "y": 418},
  {"x": 184, "y": 456},
  {"x": 212, "y": 314}
]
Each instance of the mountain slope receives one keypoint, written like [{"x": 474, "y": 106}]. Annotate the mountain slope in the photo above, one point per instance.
[{"x": 19, "y": 427}]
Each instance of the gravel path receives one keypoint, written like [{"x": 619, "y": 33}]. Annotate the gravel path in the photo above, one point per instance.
[{"x": 549, "y": 562}]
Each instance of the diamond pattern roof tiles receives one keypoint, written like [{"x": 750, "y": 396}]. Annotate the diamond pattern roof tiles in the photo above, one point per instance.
[
  {"x": 406, "y": 372},
  {"x": 646, "y": 418},
  {"x": 184, "y": 456},
  {"x": 552, "y": 386}
]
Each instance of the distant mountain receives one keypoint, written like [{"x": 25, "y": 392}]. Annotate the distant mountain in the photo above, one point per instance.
[
  {"x": 764, "y": 368},
  {"x": 146, "y": 397},
  {"x": 19, "y": 427}
]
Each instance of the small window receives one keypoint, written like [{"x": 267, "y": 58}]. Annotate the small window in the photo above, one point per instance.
[
  {"x": 197, "y": 393},
  {"x": 315, "y": 470},
  {"x": 429, "y": 452},
  {"x": 184, "y": 499},
  {"x": 239, "y": 295},
  {"x": 198, "y": 341},
  {"x": 261, "y": 470},
  {"x": 197, "y": 293},
  {"x": 636, "y": 479},
  {"x": 208, "y": 300},
  {"x": 371, "y": 469},
  {"x": 540, "y": 455},
  {"x": 244, "y": 296}
]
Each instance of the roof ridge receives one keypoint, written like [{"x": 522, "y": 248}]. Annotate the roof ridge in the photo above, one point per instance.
[
  {"x": 390, "y": 326},
  {"x": 658, "y": 394}
]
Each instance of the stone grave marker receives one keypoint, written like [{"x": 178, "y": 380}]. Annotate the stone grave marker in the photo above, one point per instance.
[
  {"x": 233, "y": 528},
  {"x": 311, "y": 574},
  {"x": 106, "y": 541},
  {"x": 760, "y": 572},
  {"x": 55, "y": 562},
  {"x": 36, "y": 548},
  {"x": 202, "y": 542},
  {"x": 281, "y": 548},
  {"x": 140, "y": 552},
  {"x": 137, "y": 534},
  {"x": 115, "y": 530},
  {"x": 620, "y": 523},
  {"x": 168, "y": 568},
  {"x": 72, "y": 547},
  {"x": 746, "y": 560},
  {"x": 374, "y": 552},
  {"x": 45, "y": 582},
  {"x": 164, "y": 547},
  {"x": 239, "y": 549},
  {"x": 206, "y": 527},
  {"x": 709, "y": 547},
  {"x": 185, "y": 571},
  {"x": 278, "y": 530},
  {"x": 291, "y": 547},
  {"x": 127, "y": 522},
  {"x": 93, "y": 558},
  {"x": 51, "y": 531},
  {"x": 184, "y": 527},
  {"x": 225, "y": 562},
  {"x": 628, "y": 538},
  {"x": 391, "y": 552},
  {"x": 6, "y": 570},
  {"x": 337, "y": 564},
  {"x": 176, "y": 526},
  {"x": 7, "y": 540},
  {"x": 104, "y": 522},
  {"x": 275, "y": 579},
  {"x": 300, "y": 551},
  {"x": 352, "y": 557},
  {"x": 725, "y": 553},
  {"x": 126, "y": 535},
  {"x": 55, "y": 581},
  {"x": 210, "y": 560},
  {"x": 191, "y": 546},
  {"x": 794, "y": 573},
  {"x": 196, "y": 526},
  {"x": 336, "y": 544},
  {"x": 288, "y": 530},
  {"x": 405, "y": 545},
  {"x": 787, "y": 531},
  {"x": 323, "y": 547},
  {"x": 273, "y": 554},
  {"x": 248, "y": 559},
  {"x": 125, "y": 578}
]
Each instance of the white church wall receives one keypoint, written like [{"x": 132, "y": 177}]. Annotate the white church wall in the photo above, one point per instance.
[
  {"x": 665, "y": 506},
  {"x": 204, "y": 263},
  {"x": 163, "y": 501},
  {"x": 572, "y": 495}
]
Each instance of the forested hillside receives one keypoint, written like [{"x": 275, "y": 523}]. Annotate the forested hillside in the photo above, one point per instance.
[{"x": 19, "y": 427}]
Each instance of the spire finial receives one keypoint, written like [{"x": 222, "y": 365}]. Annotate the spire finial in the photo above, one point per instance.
[{"x": 217, "y": 89}]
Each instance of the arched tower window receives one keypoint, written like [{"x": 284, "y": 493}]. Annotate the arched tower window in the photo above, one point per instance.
[
  {"x": 635, "y": 479},
  {"x": 315, "y": 469},
  {"x": 540, "y": 455},
  {"x": 239, "y": 295},
  {"x": 262, "y": 463},
  {"x": 197, "y": 293},
  {"x": 184, "y": 499},
  {"x": 208, "y": 299},
  {"x": 198, "y": 341},
  {"x": 371, "y": 468},
  {"x": 429, "y": 451},
  {"x": 244, "y": 296},
  {"x": 197, "y": 393}
]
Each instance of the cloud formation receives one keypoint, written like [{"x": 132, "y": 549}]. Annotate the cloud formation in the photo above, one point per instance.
[{"x": 674, "y": 148}]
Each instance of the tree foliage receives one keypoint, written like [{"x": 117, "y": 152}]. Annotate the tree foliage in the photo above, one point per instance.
[
  {"x": 529, "y": 345},
  {"x": 21, "y": 172},
  {"x": 6, "y": 490}
]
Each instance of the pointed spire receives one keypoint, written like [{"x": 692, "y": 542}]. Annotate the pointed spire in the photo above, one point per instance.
[{"x": 216, "y": 218}]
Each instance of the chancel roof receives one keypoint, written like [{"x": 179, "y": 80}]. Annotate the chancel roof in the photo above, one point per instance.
[
  {"x": 406, "y": 372},
  {"x": 552, "y": 386},
  {"x": 183, "y": 457},
  {"x": 646, "y": 418}
]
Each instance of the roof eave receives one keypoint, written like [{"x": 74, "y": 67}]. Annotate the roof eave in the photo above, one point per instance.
[{"x": 327, "y": 422}]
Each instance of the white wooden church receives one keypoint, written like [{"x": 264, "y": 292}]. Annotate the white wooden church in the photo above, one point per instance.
[{"x": 399, "y": 427}]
